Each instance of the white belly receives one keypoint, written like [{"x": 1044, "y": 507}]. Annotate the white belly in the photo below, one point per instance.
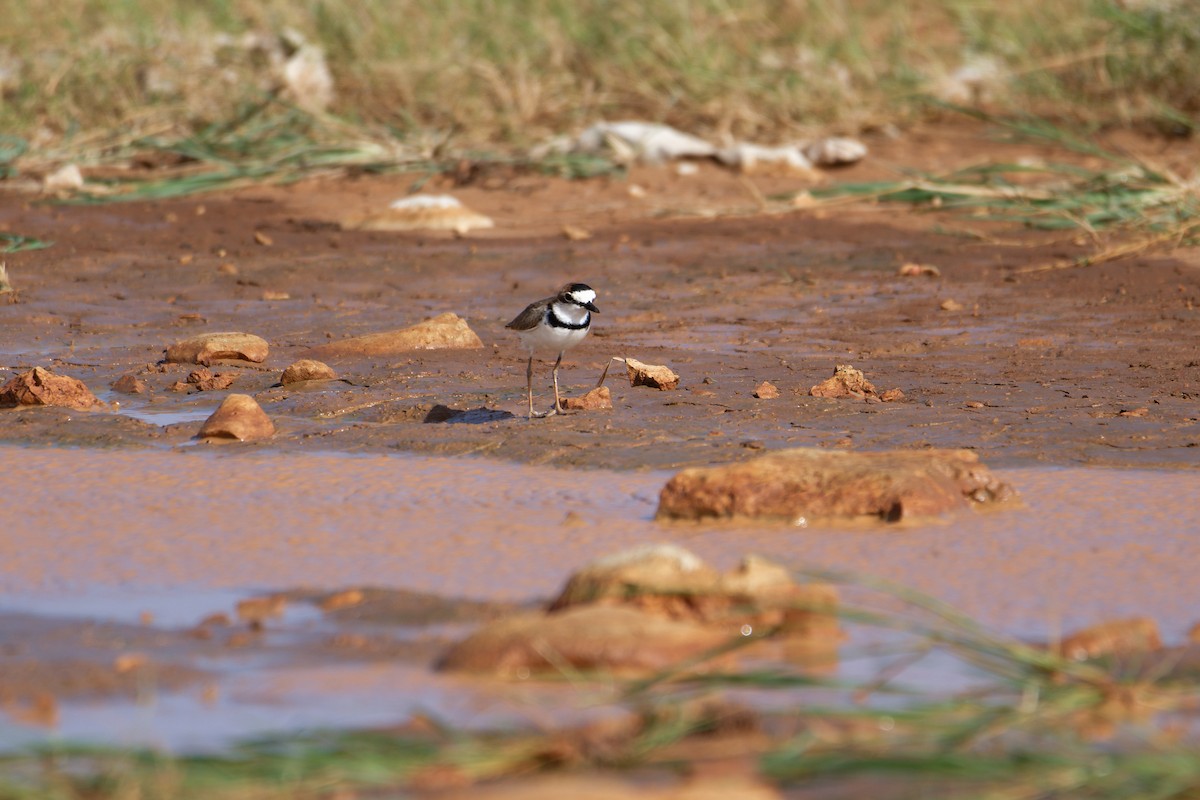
[{"x": 555, "y": 340}]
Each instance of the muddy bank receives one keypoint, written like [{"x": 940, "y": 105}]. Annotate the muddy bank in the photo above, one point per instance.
[{"x": 1083, "y": 366}]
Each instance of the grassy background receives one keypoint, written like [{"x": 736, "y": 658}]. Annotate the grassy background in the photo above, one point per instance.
[{"x": 500, "y": 74}]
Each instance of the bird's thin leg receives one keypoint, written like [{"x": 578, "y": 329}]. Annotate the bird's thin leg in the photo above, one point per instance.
[
  {"x": 557, "y": 403},
  {"x": 529, "y": 387},
  {"x": 529, "y": 383}
]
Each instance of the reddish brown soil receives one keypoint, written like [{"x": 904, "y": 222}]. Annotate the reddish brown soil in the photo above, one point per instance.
[
  {"x": 1034, "y": 367},
  {"x": 706, "y": 274}
]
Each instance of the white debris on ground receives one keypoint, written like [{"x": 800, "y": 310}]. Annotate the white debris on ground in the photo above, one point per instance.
[
  {"x": 306, "y": 77},
  {"x": 66, "y": 178},
  {"x": 426, "y": 212},
  {"x": 655, "y": 143},
  {"x": 977, "y": 80}
]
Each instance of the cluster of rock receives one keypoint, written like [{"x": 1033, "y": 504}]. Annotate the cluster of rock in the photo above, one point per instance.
[{"x": 649, "y": 609}]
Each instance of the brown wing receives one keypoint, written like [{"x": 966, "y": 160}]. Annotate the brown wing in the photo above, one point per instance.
[{"x": 531, "y": 316}]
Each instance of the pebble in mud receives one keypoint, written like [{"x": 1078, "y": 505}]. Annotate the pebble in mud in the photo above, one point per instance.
[
  {"x": 41, "y": 387},
  {"x": 847, "y": 381},
  {"x": 598, "y": 399},
  {"x": 766, "y": 391},
  {"x": 238, "y": 417},
  {"x": 208, "y": 347},
  {"x": 129, "y": 384},
  {"x": 306, "y": 369}
]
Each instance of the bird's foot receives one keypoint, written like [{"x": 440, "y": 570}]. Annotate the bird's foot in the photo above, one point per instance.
[{"x": 542, "y": 414}]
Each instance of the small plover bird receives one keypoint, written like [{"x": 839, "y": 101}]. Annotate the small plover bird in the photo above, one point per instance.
[{"x": 556, "y": 323}]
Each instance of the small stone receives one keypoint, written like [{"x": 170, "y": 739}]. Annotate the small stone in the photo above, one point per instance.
[
  {"x": 575, "y": 233},
  {"x": 951, "y": 305},
  {"x": 846, "y": 382},
  {"x": 238, "y": 417},
  {"x": 269, "y": 294},
  {"x": 656, "y": 377},
  {"x": 206, "y": 381},
  {"x": 228, "y": 269},
  {"x": 598, "y": 399},
  {"x": 445, "y": 331},
  {"x": 259, "y": 609},
  {"x": 129, "y": 384},
  {"x": 41, "y": 387},
  {"x": 306, "y": 369},
  {"x": 892, "y": 396},
  {"x": 766, "y": 391},
  {"x": 911, "y": 270},
  {"x": 263, "y": 239},
  {"x": 1134, "y": 412},
  {"x": 208, "y": 347},
  {"x": 128, "y": 662},
  {"x": 973, "y": 404}
]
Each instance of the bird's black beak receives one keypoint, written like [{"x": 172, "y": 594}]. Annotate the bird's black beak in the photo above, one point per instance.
[{"x": 591, "y": 307}]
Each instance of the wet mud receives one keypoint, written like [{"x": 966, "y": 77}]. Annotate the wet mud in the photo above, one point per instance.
[{"x": 1078, "y": 386}]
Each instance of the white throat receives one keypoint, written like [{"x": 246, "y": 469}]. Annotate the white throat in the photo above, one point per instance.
[{"x": 570, "y": 313}]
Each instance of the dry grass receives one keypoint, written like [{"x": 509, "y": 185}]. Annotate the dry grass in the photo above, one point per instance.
[{"x": 492, "y": 74}]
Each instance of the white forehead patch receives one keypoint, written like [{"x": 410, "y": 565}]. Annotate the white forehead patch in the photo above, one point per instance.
[{"x": 583, "y": 296}]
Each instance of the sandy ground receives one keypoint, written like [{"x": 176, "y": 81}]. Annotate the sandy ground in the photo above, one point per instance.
[{"x": 1050, "y": 375}]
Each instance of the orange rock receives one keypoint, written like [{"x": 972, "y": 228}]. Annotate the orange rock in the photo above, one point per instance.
[
  {"x": 846, "y": 382},
  {"x": 656, "y": 377},
  {"x": 1115, "y": 636},
  {"x": 598, "y": 399},
  {"x": 338, "y": 600},
  {"x": 650, "y": 607},
  {"x": 206, "y": 381},
  {"x": 129, "y": 384},
  {"x": 41, "y": 387},
  {"x": 806, "y": 483},
  {"x": 238, "y": 417},
  {"x": 766, "y": 391},
  {"x": 610, "y": 638},
  {"x": 445, "y": 331},
  {"x": 307, "y": 369},
  {"x": 208, "y": 347},
  {"x": 260, "y": 609}
]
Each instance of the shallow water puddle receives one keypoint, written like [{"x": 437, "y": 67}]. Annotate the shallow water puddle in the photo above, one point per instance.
[{"x": 178, "y": 535}]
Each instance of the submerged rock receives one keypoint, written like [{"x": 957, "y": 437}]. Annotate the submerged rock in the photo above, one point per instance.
[
  {"x": 647, "y": 609},
  {"x": 802, "y": 484},
  {"x": 129, "y": 384},
  {"x": 1116, "y": 636},
  {"x": 306, "y": 369},
  {"x": 652, "y": 375},
  {"x": 41, "y": 387},
  {"x": 613, "y": 639},
  {"x": 445, "y": 331},
  {"x": 208, "y": 347},
  {"x": 238, "y": 417}
]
